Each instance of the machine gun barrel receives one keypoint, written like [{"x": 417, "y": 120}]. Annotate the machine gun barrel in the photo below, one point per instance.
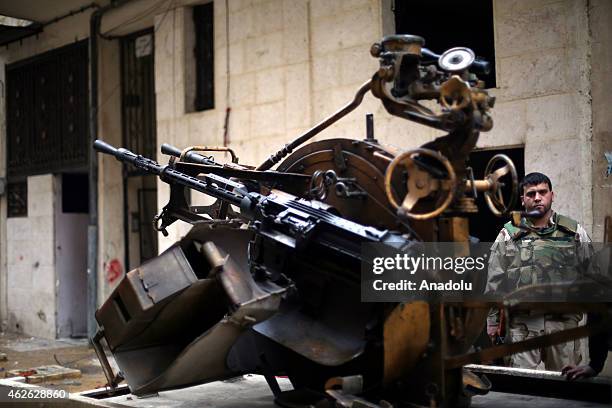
[
  {"x": 210, "y": 184},
  {"x": 191, "y": 157},
  {"x": 278, "y": 216}
]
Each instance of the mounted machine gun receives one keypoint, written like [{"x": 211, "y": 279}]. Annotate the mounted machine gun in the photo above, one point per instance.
[{"x": 268, "y": 279}]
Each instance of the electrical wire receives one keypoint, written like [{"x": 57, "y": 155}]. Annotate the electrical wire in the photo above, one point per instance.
[
  {"x": 116, "y": 87},
  {"x": 134, "y": 19},
  {"x": 228, "y": 109},
  {"x": 170, "y": 6}
]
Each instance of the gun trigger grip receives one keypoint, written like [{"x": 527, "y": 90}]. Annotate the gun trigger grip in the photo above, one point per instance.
[{"x": 156, "y": 223}]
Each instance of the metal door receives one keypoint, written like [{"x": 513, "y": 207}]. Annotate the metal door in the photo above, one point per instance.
[{"x": 139, "y": 135}]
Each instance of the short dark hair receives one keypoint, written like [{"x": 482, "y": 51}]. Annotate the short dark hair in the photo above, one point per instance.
[{"x": 533, "y": 179}]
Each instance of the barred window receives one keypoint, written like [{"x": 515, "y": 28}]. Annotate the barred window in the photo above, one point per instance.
[{"x": 47, "y": 112}]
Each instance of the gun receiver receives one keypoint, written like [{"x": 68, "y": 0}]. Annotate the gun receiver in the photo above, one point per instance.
[
  {"x": 211, "y": 184},
  {"x": 282, "y": 217}
]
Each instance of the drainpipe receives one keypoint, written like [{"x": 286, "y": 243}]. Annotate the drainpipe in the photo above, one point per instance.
[{"x": 92, "y": 229}]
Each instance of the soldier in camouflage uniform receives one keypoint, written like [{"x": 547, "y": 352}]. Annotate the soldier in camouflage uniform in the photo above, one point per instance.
[{"x": 545, "y": 248}]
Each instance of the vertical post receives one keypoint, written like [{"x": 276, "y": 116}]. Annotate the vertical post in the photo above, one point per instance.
[
  {"x": 370, "y": 127},
  {"x": 126, "y": 218},
  {"x": 92, "y": 229}
]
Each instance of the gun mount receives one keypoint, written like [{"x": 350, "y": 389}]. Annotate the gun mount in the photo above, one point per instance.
[{"x": 268, "y": 279}]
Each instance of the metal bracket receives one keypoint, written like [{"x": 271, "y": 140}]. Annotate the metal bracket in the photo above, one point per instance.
[{"x": 112, "y": 379}]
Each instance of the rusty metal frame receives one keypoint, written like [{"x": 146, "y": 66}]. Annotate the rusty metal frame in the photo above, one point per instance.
[
  {"x": 529, "y": 344},
  {"x": 312, "y": 132},
  {"x": 112, "y": 378}
]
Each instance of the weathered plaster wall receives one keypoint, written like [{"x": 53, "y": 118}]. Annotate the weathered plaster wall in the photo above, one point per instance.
[
  {"x": 291, "y": 64},
  {"x": 3, "y": 263},
  {"x": 600, "y": 14},
  {"x": 31, "y": 262},
  {"x": 65, "y": 32},
  {"x": 27, "y": 276},
  {"x": 110, "y": 178},
  {"x": 542, "y": 51},
  {"x": 601, "y": 83}
]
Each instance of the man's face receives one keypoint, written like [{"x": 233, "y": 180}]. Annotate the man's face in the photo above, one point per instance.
[{"x": 537, "y": 198}]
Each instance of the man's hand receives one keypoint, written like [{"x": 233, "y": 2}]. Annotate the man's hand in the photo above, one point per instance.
[{"x": 573, "y": 373}]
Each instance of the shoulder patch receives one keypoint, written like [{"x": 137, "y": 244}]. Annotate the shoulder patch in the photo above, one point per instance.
[
  {"x": 514, "y": 231},
  {"x": 567, "y": 224},
  {"x": 511, "y": 228}
]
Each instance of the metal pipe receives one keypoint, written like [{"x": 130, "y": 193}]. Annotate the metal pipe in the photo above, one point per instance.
[
  {"x": 71, "y": 13},
  {"x": 289, "y": 147},
  {"x": 546, "y": 340},
  {"x": 92, "y": 228},
  {"x": 370, "y": 127},
  {"x": 126, "y": 218},
  {"x": 481, "y": 185},
  {"x": 106, "y": 367}
]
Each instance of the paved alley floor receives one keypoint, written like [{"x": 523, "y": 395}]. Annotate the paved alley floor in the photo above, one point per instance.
[{"x": 25, "y": 352}]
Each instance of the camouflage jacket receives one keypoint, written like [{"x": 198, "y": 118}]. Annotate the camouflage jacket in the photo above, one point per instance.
[{"x": 528, "y": 256}]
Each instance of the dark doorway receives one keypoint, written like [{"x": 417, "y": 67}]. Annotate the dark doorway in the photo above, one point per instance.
[
  {"x": 139, "y": 135},
  {"x": 485, "y": 225},
  {"x": 447, "y": 24}
]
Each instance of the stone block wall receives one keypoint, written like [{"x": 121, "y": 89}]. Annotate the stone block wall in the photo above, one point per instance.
[
  {"x": 601, "y": 79},
  {"x": 110, "y": 239},
  {"x": 19, "y": 304},
  {"x": 31, "y": 294},
  {"x": 542, "y": 51},
  {"x": 292, "y": 63},
  {"x": 600, "y": 15},
  {"x": 110, "y": 177}
]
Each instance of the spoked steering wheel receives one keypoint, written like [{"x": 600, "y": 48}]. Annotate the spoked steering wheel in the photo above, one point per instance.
[{"x": 421, "y": 183}]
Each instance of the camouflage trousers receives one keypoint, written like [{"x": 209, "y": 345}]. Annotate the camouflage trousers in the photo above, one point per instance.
[{"x": 553, "y": 357}]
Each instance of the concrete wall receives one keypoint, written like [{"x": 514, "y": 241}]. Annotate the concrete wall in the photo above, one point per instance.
[
  {"x": 31, "y": 294},
  {"x": 110, "y": 178},
  {"x": 601, "y": 80},
  {"x": 292, "y": 63},
  {"x": 3, "y": 209},
  {"x": 64, "y": 32},
  {"x": 600, "y": 15},
  {"x": 27, "y": 267},
  {"x": 542, "y": 60}
]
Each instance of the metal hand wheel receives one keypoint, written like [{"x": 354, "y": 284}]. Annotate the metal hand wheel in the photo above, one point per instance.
[
  {"x": 494, "y": 196},
  {"x": 420, "y": 183}
]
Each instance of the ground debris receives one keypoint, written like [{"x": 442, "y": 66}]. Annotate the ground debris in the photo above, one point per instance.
[{"x": 44, "y": 373}]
